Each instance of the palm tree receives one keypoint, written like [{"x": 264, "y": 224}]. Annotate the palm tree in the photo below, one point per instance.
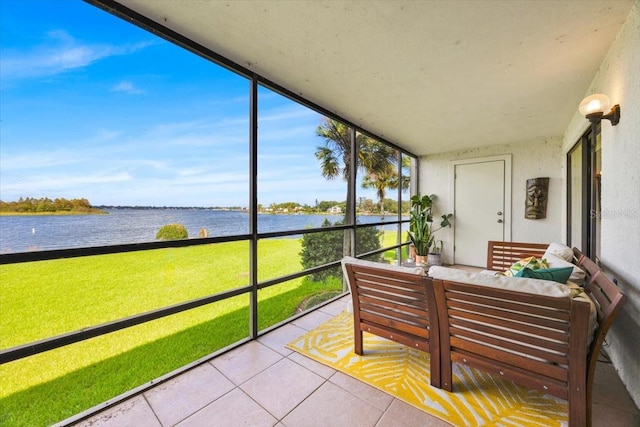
[
  {"x": 380, "y": 182},
  {"x": 373, "y": 156},
  {"x": 335, "y": 160},
  {"x": 387, "y": 179}
]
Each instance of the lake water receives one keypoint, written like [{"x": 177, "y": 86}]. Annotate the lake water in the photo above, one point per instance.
[{"x": 37, "y": 233}]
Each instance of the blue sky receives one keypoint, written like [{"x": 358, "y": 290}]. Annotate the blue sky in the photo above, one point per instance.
[{"x": 94, "y": 107}]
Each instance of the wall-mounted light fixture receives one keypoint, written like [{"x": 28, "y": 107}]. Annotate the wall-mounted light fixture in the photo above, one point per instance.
[{"x": 593, "y": 107}]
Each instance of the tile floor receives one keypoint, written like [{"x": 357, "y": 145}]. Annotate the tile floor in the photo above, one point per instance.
[{"x": 262, "y": 383}]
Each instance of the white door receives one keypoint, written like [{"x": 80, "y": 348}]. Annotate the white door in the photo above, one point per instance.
[{"x": 481, "y": 209}]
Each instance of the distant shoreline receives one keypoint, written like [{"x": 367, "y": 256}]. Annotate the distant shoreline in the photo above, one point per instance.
[
  {"x": 58, "y": 213},
  {"x": 103, "y": 210}
]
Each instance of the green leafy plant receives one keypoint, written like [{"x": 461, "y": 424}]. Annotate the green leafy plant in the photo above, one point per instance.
[
  {"x": 172, "y": 232},
  {"x": 327, "y": 246},
  {"x": 421, "y": 231}
]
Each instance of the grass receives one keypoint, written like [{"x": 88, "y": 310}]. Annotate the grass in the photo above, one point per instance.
[
  {"x": 389, "y": 239},
  {"x": 47, "y": 298}
]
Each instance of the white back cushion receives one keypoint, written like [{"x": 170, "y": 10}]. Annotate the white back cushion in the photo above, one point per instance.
[{"x": 558, "y": 249}]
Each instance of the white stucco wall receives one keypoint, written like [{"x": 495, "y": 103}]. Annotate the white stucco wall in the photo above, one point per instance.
[
  {"x": 435, "y": 178},
  {"x": 619, "y": 78}
]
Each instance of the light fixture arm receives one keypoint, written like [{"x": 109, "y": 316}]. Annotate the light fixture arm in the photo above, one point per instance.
[
  {"x": 613, "y": 116},
  {"x": 593, "y": 107}
]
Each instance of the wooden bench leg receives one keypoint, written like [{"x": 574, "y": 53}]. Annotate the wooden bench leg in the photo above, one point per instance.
[
  {"x": 578, "y": 409},
  {"x": 357, "y": 339},
  {"x": 446, "y": 375},
  {"x": 434, "y": 368}
]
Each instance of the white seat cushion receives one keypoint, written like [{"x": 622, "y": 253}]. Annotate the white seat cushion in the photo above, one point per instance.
[{"x": 519, "y": 284}]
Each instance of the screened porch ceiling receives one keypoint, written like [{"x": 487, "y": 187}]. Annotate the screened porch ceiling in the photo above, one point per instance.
[{"x": 429, "y": 76}]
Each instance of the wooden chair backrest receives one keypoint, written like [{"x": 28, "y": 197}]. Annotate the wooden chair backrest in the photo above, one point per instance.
[
  {"x": 502, "y": 255},
  {"x": 392, "y": 303}
]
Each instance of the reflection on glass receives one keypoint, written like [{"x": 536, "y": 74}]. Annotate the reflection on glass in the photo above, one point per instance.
[
  {"x": 597, "y": 183},
  {"x": 577, "y": 213}
]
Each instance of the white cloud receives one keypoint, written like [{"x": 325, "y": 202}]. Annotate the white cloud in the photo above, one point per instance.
[
  {"x": 59, "y": 54},
  {"x": 54, "y": 185},
  {"x": 126, "y": 87},
  {"x": 38, "y": 160},
  {"x": 288, "y": 113},
  {"x": 203, "y": 132},
  {"x": 192, "y": 171},
  {"x": 104, "y": 135}
]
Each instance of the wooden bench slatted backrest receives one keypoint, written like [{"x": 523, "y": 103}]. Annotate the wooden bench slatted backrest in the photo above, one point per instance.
[
  {"x": 502, "y": 255},
  {"x": 394, "y": 305},
  {"x": 524, "y": 337}
]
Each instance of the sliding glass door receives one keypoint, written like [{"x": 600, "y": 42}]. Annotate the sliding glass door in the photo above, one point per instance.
[{"x": 584, "y": 177}]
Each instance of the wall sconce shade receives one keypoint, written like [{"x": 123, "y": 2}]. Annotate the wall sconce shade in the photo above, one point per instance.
[{"x": 593, "y": 107}]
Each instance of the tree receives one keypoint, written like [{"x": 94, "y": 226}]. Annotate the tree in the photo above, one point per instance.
[
  {"x": 380, "y": 181},
  {"x": 367, "y": 205},
  {"x": 321, "y": 248},
  {"x": 388, "y": 178},
  {"x": 335, "y": 155},
  {"x": 172, "y": 232},
  {"x": 335, "y": 158}
]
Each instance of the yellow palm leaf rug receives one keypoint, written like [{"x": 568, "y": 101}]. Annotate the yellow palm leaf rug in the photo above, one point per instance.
[{"x": 479, "y": 399}]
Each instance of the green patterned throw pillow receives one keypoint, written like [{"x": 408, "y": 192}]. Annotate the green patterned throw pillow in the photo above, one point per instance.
[{"x": 560, "y": 275}]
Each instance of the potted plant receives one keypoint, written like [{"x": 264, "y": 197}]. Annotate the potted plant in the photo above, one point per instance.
[
  {"x": 421, "y": 226},
  {"x": 435, "y": 253}
]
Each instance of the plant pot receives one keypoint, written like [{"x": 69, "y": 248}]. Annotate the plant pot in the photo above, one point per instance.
[
  {"x": 435, "y": 259},
  {"x": 412, "y": 251},
  {"x": 421, "y": 259}
]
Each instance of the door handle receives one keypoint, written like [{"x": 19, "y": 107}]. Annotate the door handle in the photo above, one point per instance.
[{"x": 499, "y": 221}]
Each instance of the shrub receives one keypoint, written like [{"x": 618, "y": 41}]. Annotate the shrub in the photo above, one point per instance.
[
  {"x": 172, "y": 232},
  {"x": 323, "y": 248}
]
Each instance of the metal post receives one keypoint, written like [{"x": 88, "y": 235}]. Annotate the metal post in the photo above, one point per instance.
[{"x": 253, "y": 208}]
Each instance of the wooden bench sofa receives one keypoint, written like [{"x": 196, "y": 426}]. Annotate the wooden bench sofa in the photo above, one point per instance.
[{"x": 538, "y": 341}]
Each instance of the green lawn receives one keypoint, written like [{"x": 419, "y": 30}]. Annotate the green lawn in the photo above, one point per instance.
[
  {"x": 47, "y": 298},
  {"x": 389, "y": 239}
]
